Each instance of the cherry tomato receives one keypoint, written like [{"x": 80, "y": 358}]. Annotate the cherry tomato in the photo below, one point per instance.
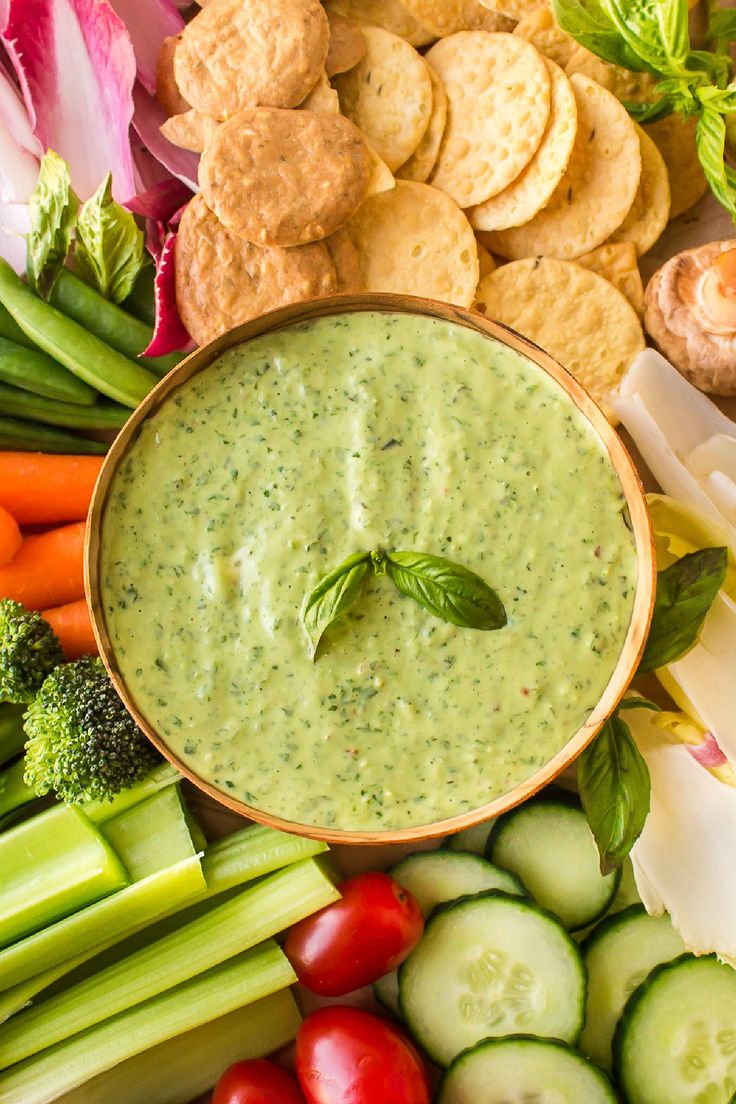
[
  {"x": 256, "y": 1082},
  {"x": 346, "y": 1056},
  {"x": 357, "y": 939}
]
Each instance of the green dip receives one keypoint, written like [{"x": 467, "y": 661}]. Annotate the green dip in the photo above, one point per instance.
[{"x": 353, "y": 432}]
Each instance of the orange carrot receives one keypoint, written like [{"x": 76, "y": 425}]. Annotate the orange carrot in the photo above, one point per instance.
[
  {"x": 10, "y": 538},
  {"x": 38, "y": 488},
  {"x": 47, "y": 570},
  {"x": 73, "y": 626}
]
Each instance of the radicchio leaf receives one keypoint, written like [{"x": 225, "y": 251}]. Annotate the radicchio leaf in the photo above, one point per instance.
[
  {"x": 149, "y": 115},
  {"x": 149, "y": 22},
  {"x": 169, "y": 333},
  {"x": 162, "y": 201}
]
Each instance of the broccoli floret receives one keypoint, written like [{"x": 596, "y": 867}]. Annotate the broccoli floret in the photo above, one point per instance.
[
  {"x": 29, "y": 651},
  {"x": 82, "y": 742}
]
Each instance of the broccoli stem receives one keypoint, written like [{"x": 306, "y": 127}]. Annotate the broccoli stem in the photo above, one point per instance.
[
  {"x": 14, "y": 793},
  {"x": 12, "y": 734}
]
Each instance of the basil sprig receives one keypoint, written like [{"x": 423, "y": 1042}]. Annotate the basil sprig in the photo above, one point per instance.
[
  {"x": 446, "y": 589},
  {"x": 685, "y": 592},
  {"x": 52, "y": 208}
]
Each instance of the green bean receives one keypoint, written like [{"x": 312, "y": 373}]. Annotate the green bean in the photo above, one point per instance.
[
  {"x": 113, "y": 325},
  {"x": 34, "y": 371},
  {"x": 15, "y": 403},
  {"x": 10, "y": 330},
  {"x": 30, "y": 437},
  {"x": 81, "y": 352}
]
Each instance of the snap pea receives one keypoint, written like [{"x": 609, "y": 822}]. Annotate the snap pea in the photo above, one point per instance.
[
  {"x": 11, "y": 331},
  {"x": 113, "y": 325},
  {"x": 141, "y": 301},
  {"x": 29, "y": 437},
  {"x": 34, "y": 371},
  {"x": 15, "y": 403},
  {"x": 73, "y": 346}
]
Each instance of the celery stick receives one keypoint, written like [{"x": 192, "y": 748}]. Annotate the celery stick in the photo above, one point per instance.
[
  {"x": 182, "y": 1069},
  {"x": 156, "y": 829},
  {"x": 158, "y": 779},
  {"x": 14, "y": 793},
  {"x": 103, "y": 923},
  {"x": 253, "y": 915},
  {"x": 247, "y": 978},
  {"x": 251, "y": 853},
  {"x": 51, "y": 869}
]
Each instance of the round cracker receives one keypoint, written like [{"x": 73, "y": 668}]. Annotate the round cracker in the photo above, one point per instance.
[
  {"x": 167, "y": 93},
  {"x": 191, "y": 130},
  {"x": 391, "y": 15},
  {"x": 279, "y": 177},
  {"x": 514, "y": 9},
  {"x": 650, "y": 210},
  {"x": 626, "y": 85},
  {"x": 267, "y": 52},
  {"x": 674, "y": 137},
  {"x": 543, "y": 31},
  {"x": 347, "y": 45},
  {"x": 414, "y": 240},
  {"x": 446, "y": 17},
  {"x": 423, "y": 160},
  {"x": 222, "y": 280},
  {"x": 323, "y": 98},
  {"x": 498, "y": 89},
  {"x": 572, "y": 313},
  {"x": 531, "y": 190},
  {"x": 597, "y": 190},
  {"x": 618, "y": 264},
  {"x": 388, "y": 95},
  {"x": 345, "y": 258}
]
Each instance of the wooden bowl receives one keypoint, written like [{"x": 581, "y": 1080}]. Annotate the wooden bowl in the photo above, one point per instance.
[{"x": 622, "y": 463}]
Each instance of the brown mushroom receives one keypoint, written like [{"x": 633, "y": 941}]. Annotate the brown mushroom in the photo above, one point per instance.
[{"x": 690, "y": 313}]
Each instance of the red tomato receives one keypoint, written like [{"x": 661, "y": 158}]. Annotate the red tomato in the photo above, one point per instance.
[
  {"x": 346, "y": 1056},
  {"x": 256, "y": 1082},
  {"x": 357, "y": 939}
]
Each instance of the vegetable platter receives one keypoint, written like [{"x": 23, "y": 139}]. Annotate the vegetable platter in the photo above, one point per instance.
[{"x": 166, "y": 175}]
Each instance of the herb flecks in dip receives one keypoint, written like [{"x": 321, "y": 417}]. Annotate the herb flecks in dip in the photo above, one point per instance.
[{"x": 361, "y": 431}]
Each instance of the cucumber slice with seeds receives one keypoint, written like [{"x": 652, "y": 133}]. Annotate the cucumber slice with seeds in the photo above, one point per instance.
[
  {"x": 549, "y": 845},
  {"x": 522, "y": 1070},
  {"x": 471, "y": 839},
  {"x": 619, "y": 955},
  {"x": 491, "y": 965}
]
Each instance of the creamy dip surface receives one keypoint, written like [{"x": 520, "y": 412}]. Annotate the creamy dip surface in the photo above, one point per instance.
[{"x": 350, "y": 433}]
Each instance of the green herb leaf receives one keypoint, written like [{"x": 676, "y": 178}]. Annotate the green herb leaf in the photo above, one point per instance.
[
  {"x": 685, "y": 592},
  {"x": 593, "y": 28},
  {"x": 446, "y": 589},
  {"x": 638, "y": 702},
  {"x": 614, "y": 785},
  {"x": 650, "y": 112},
  {"x": 53, "y": 210},
  {"x": 109, "y": 251},
  {"x": 721, "y": 23},
  {"x": 333, "y": 594}
]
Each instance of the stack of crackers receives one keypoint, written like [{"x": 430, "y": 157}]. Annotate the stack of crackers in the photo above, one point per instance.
[{"x": 496, "y": 169}]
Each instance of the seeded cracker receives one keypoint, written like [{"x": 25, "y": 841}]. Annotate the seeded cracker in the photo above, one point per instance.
[
  {"x": 347, "y": 45},
  {"x": 285, "y": 178},
  {"x": 235, "y": 55},
  {"x": 650, "y": 210},
  {"x": 531, "y": 190},
  {"x": 222, "y": 280},
  {"x": 423, "y": 160},
  {"x": 388, "y": 95},
  {"x": 617, "y": 264},
  {"x": 576, "y": 315},
  {"x": 414, "y": 240},
  {"x": 391, "y": 15},
  {"x": 597, "y": 190},
  {"x": 499, "y": 92}
]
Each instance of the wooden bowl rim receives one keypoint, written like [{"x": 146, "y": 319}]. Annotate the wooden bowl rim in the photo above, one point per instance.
[{"x": 291, "y": 315}]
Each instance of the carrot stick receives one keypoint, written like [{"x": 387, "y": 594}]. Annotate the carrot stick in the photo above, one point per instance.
[
  {"x": 36, "y": 487},
  {"x": 47, "y": 570},
  {"x": 73, "y": 626},
  {"x": 10, "y": 538}
]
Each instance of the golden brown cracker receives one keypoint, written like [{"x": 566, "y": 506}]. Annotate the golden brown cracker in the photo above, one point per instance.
[
  {"x": 347, "y": 45},
  {"x": 618, "y": 264},
  {"x": 345, "y": 258},
  {"x": 278, "y": 177},
  {"x": 235, "y": 55},
  {"x": 167, "y": 91},
  {"x": 486, "y": 262},
  {"x": 192, "y": 130},
  {"x": 391, "y": 15},
  {"x": 423, "y": 160},
  {"x": 222, "y": 280},
  {"x": 650, "y": 210},
  {"x": 322, "y": 98},
  {"x": 499, "y": 93},
  {"x": 626, "y": 85},
  {"x": 446, "y": 17},
  {"x": 674, "y": 137},
  {"x": 543, "y": 31},
  {"x": 514, "y": 9}
]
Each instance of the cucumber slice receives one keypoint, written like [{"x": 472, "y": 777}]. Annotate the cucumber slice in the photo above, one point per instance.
[
  {"x": 627, "y": 893},
  {"x": 521, "y": 1070},
  {"x": 386, "y": 992},
  {"x": 549, "y": 845},
  {"x": 433, "y": 877},
  {"x": 491, "y": 965},
  {"x": 471, "y": 839},
  {"x": 619, "y": 955},
  {"x": 676, "y": 1041}
]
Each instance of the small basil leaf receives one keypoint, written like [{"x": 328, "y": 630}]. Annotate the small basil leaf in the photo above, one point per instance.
[
  {"x": 614, "y": 785},
  {"x": 109, "y": 250},
  {"x": 685, "y": 592},
  {"x": 446, "y": 589},
  {"x": 53, "y": 210},
  {"x": 593, "y": 28},
  {"x": 638, "y": 702},
  {"x": 333, "y": 594},
  {"x": 656, "y": 32},
  {"x": 650, "y": 112}
]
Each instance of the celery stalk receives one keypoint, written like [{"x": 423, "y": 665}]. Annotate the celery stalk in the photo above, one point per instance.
[
  {"x": 241, "y": 922},
  {"x": 158, "y": 779},
  {"x": 102, "y": 923},
  {"x": 251, "y": 853},
  {"x": 14, "y": 793},
  {"x": 51, "y": 869},
  {"x": 181, "y": 1069},
  {"x": 247, "y": 978},
  {"x": 12, "y": 735},
  {"x": 156, "y": 829}
]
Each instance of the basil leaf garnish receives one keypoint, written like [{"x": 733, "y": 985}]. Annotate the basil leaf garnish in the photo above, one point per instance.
[
  {"x": 446, "y": 589},
  {"x": 109, "y": 251},
  {"x": 638, "y": 702},
  {"x": 614, "y": 785},
  {"x": 53, "y": 210},
  {"x": 685, "y": 592},
  {"x": 334, "y": 593}
]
